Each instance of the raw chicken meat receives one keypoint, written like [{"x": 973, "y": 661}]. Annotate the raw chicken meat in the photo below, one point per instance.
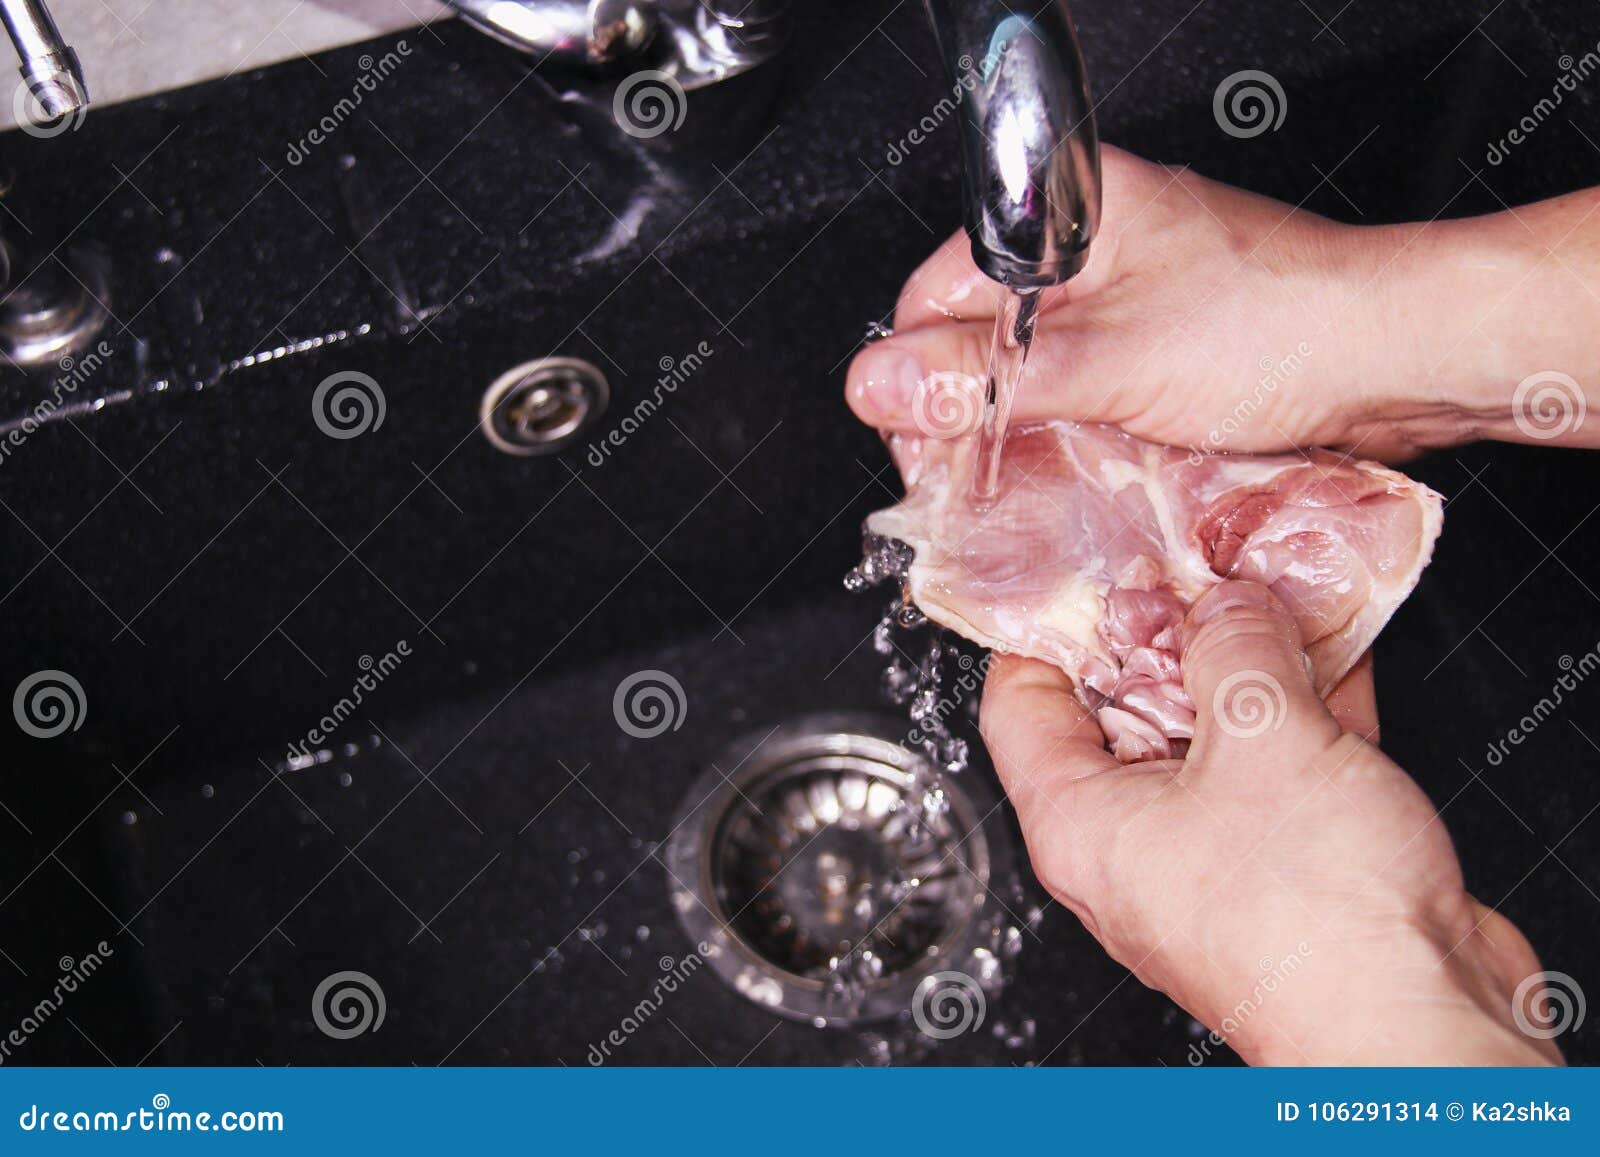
[{"x": 1100, "y": 542}]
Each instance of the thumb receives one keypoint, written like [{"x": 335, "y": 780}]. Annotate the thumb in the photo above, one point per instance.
[
  {"x": 927, "y": 381},
  {"x": 1245, "y": 668},
  {"x": 931, "y": 380}
]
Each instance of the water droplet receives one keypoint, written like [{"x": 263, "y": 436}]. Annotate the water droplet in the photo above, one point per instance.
[
  {"x": 1010, "y": 943},
  {"x": 910, "y": 616}
]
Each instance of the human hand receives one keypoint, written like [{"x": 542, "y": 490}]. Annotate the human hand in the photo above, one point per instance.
[
  {"x": 1213, "y": 318},
  {"x": 1286, "y": 883}
]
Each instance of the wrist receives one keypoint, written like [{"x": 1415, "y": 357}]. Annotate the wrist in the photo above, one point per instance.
[
  {"x": 1422, "y": 366},
  {"x": 1482, "y": 331},
  {"x": 1370, "y": 289},
  {"x": 1416, "y": 1024},
  {"x": 1422, "y": 995}
]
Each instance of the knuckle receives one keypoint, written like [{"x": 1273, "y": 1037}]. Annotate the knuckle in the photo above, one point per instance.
[
  {"x": 1243, "y": 631},
  {"x": 1055, "y": 865},
  {"x": 993, "y": 718},
  {"x": 1060, "y": 864},
  {"x": 972, "y": 350}
]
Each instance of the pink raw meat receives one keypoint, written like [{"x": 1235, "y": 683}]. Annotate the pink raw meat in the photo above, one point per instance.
[{"x": 1100, "y": 542}]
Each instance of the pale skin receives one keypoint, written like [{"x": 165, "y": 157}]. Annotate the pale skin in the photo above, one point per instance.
[{"x": 1304, "y": 840}]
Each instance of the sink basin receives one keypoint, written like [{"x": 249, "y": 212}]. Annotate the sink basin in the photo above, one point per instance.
[{"x": 348, "y": 704}]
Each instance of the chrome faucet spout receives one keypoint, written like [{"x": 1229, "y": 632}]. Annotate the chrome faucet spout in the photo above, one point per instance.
[
  {"x": 697, "y": 42},
  {"x": 50, "y": 67},
  {"x": 1030, "y": 154}
]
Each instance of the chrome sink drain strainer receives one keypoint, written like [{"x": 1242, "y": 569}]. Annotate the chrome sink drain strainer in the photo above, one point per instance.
[{"x": 824, "y": 887}]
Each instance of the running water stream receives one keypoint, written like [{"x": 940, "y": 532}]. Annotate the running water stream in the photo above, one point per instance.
[
  {"x": 1008, "y": 353},
  {"x": 915, "y": 681}
]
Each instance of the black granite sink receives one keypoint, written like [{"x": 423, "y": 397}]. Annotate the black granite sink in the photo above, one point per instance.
[{"x": 216, "y": 573}]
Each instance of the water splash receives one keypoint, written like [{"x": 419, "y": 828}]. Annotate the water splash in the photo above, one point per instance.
[
  {"x": 928, "y": 674},
  {"x": 848, "y": 979},
  {"x": 882, "y": 559},
  {"x": 919, "y": 657}
]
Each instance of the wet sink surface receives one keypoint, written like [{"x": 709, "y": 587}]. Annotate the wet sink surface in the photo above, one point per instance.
[{"x": 508, "y": 915}]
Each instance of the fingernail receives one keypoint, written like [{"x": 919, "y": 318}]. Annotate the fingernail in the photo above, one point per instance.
[
  {"x": 1228, "y": 596},
  {"x": 888, "y": 380}
]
